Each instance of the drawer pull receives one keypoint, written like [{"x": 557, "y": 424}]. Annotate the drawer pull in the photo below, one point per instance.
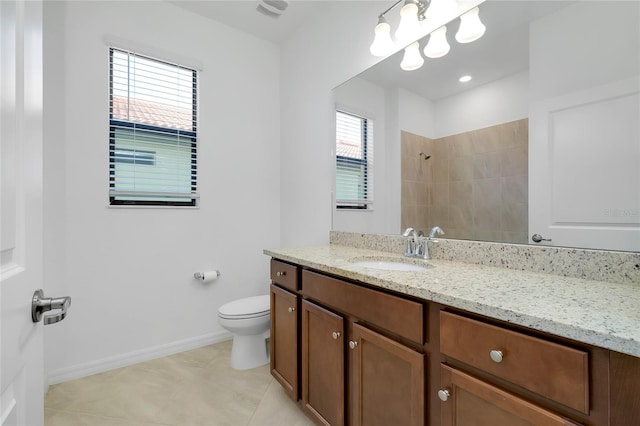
[
  {"x": 444, "y": 394},
  {"x": 281, "y": 274},
  {"x": 496, "y": 355},
  {"x": 291, "y": 309},
  {"x": 335, "y": 335},
  {"x": 353, "y": 344}
]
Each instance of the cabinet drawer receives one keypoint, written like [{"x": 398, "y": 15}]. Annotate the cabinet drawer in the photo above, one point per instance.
[
  {"x": 284, "y": 274},
  {"x": 468, "y": 396},
  {"x": 554, "y": 371},
  {"x": 395, "y": 314}
]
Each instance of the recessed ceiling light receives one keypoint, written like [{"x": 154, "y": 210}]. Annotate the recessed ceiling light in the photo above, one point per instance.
[{"x": 465, "y": 78}]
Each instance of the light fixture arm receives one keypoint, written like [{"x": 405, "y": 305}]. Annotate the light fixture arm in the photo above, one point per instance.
[{"x": 422, "y": 8}]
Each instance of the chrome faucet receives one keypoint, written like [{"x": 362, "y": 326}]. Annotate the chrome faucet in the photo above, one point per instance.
[
  {"x": 419, "y": 247},
  {"x": 435, "y": 230},
  {"x": 412, "y": 243}
]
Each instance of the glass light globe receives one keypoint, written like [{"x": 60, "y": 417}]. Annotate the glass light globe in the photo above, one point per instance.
[
  {"x": 471, "y": 28},
  {"x": 437, "y": 46},
  {"x": 409, "y": 27},
  {"x": 382, "y": 44},
  {"x": 412, "y": 60}
]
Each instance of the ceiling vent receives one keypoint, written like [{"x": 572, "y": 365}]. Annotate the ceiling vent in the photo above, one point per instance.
[{"x": 272, "y": 8}]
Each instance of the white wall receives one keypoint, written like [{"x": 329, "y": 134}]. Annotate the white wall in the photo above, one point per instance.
[
  {"x": 130, "y": 271},
  {"x": 598, "y": 35},
  {"x": 416, "y": 114},
  {"x": 368, "y": 100},
  {"x": 322, "y": 55},
  {"x": 498, "y": 102}
]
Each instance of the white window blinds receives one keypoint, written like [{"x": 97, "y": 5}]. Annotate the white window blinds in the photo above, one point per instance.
[
  {"x": 354, "y": 161},
  {"x": 152, "y": 132}
]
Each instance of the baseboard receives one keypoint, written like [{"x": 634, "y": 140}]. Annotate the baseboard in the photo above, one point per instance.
[{"x": 123, "y": 360}]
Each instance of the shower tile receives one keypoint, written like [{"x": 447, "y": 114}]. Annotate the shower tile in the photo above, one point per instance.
[
  {"x": 486, "y": 165},
  {"x": 487, "y": 194},
  {"x": 515, "y": 189},
  {"x": 515, "y": 237},
  {"x": 461, "y": 193},
  {"x": 439, "y": 195},
  {"x": 486, "y": 219},
  {"x": 487, "y": 139},
  {"x": 461, "y": 217},
  {"x": 455, "y": 233},
  {"x": 515, "y": 217},
  {"x": 460, "y": 145},
  {"x": 461, "y": 169},
  {"x": 488, "y": 235},
  {"x": 514, "y": 161}
]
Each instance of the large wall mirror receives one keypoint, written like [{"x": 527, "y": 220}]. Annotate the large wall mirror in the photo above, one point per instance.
[{"x": 544, "y": 139}]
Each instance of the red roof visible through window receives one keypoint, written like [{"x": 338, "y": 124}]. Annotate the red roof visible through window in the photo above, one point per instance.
[
  {"x": 348, "y": 149},
  {"x": 152, "y": 113}
]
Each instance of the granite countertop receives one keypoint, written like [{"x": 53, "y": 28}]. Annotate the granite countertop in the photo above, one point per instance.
[{"x": 594, "y": 312}]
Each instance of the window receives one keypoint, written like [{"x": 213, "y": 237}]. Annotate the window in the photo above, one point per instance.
[
  {"x": 152, "y": 132},
  {"x": 354, "y": 160}
]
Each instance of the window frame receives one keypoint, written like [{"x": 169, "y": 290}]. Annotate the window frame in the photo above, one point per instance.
[
  {"x": 360, "y": 162},
  {"x": 136, "y": 126}
]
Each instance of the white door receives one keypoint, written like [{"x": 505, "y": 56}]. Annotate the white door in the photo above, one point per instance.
[
  {"x": 584, "y": 168},
  {"x": 21, "y": 350}
]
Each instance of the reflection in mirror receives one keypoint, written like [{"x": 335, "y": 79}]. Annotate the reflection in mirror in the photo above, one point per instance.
[{"x": 544, "y": 138}]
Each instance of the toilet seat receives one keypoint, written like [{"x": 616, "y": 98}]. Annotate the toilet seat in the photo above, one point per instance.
[{"x": 249, "y": 307}]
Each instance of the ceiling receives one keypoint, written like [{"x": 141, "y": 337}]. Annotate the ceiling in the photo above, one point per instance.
[
  {"x": 502, "y": 51},
  {"x": 242, "y": 15}
]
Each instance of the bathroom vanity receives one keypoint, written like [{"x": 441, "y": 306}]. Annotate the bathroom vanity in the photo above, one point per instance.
[{"x": 364, "y": 346}]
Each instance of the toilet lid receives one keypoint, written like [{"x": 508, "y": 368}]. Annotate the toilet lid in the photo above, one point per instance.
[{"x": 247, "y": 306}]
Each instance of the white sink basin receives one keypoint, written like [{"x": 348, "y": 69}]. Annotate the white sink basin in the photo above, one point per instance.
[{"x": 389, "y": 265}]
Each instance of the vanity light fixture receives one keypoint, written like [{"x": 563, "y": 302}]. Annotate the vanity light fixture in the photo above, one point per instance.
[
  {"x": 409, "y": 27},
  {"x": 471, "y": 28},
  {"x": 382, "y": 44},
  {"x": 412, "y": 59},
  {"x": 412, "y": 14},
  {"x": 437, "y": 46}
]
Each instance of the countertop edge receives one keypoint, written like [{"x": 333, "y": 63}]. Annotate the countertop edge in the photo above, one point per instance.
[{"x": 574, "y": 331}]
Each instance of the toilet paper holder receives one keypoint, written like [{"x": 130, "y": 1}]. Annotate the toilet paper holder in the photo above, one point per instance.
[{"x": 202, "y": 276}]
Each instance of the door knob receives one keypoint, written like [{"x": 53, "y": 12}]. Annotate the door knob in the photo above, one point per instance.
[
  {"x": 536, "y": 238},
  {"x": 291, "y": 309},
  {"x": 353, "y": 344},
  {"x": 335, "y": 335},
  {"x": 41, "y": 304}
]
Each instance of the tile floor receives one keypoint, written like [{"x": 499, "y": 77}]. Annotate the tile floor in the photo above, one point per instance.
[{"x": 193, "y": 388}]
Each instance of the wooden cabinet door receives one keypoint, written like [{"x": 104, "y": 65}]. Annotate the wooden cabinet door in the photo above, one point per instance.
[
  {"x": 284, "y": 339},
  {"x": 323, "y": 364},
  {"x": 473, "y": 402},
  {"x": 386, "y": 381}
]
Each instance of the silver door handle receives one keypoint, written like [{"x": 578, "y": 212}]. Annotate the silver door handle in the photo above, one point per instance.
[
  {"x": 41, "y": 304},
  {"x": 537, "y": 238}
]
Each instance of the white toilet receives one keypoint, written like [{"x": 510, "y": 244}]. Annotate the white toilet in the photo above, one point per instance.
[{"x": 249, "y": 320}]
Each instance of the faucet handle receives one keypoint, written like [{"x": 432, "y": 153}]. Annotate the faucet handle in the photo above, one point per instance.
[
  {"x": 408, "y": 232},
  {"x": 435, "y": 230}
]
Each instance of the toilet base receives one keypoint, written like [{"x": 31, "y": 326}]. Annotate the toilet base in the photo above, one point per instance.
[{"x": 249, "y": 351}]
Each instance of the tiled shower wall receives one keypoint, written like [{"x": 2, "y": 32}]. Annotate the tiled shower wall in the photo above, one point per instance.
[{"x": 474, "y": 185}]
